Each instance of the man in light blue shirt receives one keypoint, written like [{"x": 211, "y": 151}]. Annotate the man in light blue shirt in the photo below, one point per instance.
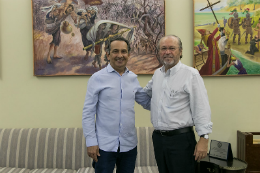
[{"x": 111, "y": 94}]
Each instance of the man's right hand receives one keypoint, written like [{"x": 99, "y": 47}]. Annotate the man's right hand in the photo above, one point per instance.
[{"x": 93, "y": 152}]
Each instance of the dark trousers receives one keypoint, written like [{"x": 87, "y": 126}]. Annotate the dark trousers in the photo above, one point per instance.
[
  {"x": 174, "y": 154},
  {"x": 124, "y": 161},
  {"x": 224, "y": 59}
]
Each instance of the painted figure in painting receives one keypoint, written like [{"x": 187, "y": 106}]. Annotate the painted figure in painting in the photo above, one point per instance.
[
  {"x": 257, "y": 28},
  {"x": 199, "y": 48},
  {"x": 247, "y": 25},
  {"x": 234, "y": 24},
  {"x": 85, "y": 22},
  {"x": 222, "y": 44},
  {"x": 98, "y": 47},
  {"x": 53, "y": 20},
  {"x": 224, "y": 21},
  {"x": 236, "y": 63},
  {"x": 253, "y": 47},
  {"x": 213, "y": 62},
  {"x": 66, "y": 5}
]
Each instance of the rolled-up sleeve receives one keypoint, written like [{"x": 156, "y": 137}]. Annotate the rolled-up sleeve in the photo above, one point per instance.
[
  {"x": 141, "y": 97},
  {"x": 148, "y": 88},
  {"x": 89, "y": 112},
  {"x": 199, "y": 104}
]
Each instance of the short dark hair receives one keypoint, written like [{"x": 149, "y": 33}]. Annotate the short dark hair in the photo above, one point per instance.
[
  {"x": 102, "y": 24},
  {"x": 221, "y": 29},
  {"x": 111, "y": 26},
  {"x": 118, "y": 39}
]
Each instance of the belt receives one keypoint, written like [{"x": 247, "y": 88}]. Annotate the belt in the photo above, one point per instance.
[{"x": 174, "y": 132}]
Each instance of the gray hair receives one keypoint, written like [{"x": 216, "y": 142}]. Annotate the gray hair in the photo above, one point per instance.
[{"x": 167, "y": 36}]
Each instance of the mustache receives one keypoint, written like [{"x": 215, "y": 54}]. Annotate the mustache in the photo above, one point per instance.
[
  {"x": 168, "y": 56},
  {"x": 120, "y": 58}
]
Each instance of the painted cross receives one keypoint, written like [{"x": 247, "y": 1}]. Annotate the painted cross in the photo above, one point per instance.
[{"x": 211, "y": 5}]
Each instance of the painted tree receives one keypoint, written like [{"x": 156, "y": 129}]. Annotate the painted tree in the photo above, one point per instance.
[
  {"x": 151, "y": 21},
  {"x": 146, "y": 15},
  {"x": 38, "y": 15}
]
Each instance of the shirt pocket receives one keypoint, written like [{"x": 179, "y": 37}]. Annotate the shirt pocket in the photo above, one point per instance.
[{"x": 173, "y": 97}]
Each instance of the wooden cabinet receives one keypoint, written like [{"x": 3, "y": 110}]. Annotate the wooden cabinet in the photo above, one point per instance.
[{"x": 249, "y": 150}]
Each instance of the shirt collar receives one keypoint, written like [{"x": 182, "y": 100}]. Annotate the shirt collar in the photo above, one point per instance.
[
  {"x": 111, "y": 69},
  {"x": 174, "y": 69}
]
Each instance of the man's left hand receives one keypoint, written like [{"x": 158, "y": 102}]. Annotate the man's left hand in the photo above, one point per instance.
[{"x": 201, "y": 149}]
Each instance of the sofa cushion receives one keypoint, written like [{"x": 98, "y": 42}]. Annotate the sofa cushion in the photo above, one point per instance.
[
  {"x": 14, "y": 170},
  {"x": 56, "y": 148},
  {"x": 145, "y": 156},
  {"x": 59, "y": 148},
  {"x": 52, "y": 171},
  {"x": 86, "y": 170},
  {"x": 146, "y": 169}
]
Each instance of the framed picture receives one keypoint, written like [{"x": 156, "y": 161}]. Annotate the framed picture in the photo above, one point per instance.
[
  {"x": 70, "y": 37},
  {"x": 226, "y": 37}
]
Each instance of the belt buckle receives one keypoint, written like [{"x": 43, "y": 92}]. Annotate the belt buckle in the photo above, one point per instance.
[{"x": 161, "y": 132}]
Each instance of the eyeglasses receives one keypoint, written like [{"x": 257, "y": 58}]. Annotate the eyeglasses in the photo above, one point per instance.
[{"x": 172, "y": 49}]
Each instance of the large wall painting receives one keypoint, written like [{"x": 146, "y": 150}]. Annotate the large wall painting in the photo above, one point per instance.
[
  {"x": 226, "y": 37},
  {"x": 70, "y": 36}
]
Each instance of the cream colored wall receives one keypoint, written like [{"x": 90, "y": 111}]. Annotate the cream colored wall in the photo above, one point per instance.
[{"x": 27, "y": 101}]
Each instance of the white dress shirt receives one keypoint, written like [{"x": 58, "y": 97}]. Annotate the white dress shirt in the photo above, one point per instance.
[{"x": 179, "y": 99}]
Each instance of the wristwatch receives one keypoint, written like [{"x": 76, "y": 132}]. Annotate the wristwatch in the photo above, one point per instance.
[{"x": 206, "y": 136}]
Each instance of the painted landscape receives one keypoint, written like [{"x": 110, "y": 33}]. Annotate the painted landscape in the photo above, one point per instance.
[
  {"x": 70, "y": 37},
  {"x": 233, "y": 49}
]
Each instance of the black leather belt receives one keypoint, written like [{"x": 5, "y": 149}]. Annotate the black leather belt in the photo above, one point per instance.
[{"x": 174, "y": 132}]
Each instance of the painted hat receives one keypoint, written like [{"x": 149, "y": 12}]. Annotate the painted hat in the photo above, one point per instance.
[
  {"x": 233, "y": 11},
  {"x": 246, "y": 10},
  {"x": 233, "y": 58},
  {"x": 202, "y": 31}
]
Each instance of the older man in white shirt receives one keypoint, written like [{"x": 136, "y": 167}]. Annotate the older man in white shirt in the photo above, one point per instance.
[{"x": 179, "y": 101}]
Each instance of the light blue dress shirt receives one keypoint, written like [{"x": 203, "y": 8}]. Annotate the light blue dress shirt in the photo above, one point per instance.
[{"x": 111, "y": 98}]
